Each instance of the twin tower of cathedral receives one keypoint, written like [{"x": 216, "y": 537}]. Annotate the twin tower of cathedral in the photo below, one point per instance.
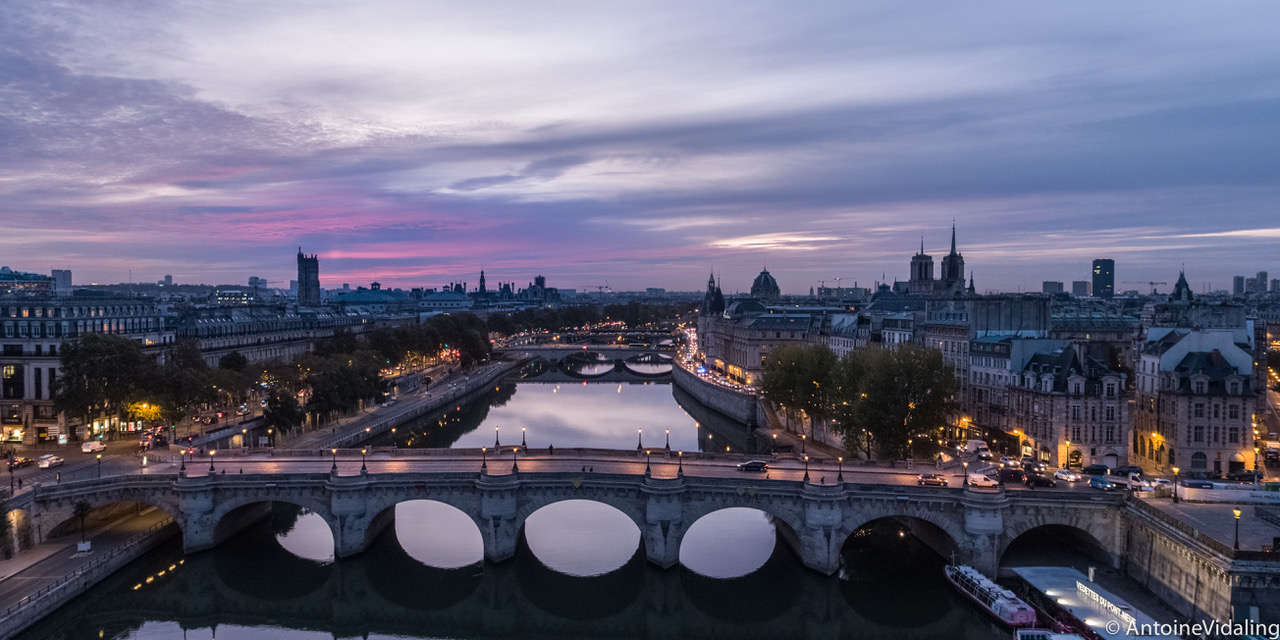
[
  {"x": 952, "y": 280},
  {"x": 922, "y": 282}
]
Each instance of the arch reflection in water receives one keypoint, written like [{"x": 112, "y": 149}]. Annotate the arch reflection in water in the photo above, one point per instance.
[
  {"x": 729, "y": 543},
  {"x": 581, "y": 537},
  {"x": 302, "y": 533},
  {"x": 438, "y": 535},
  {"x": 892, "y": 575}
]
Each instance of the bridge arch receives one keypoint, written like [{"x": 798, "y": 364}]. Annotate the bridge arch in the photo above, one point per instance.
[
  {"x": 942, "y": 533},
  {"x": 235, "y": 512},
  {"x": 56, "y": 517},
  {"x": 623, "y": 505},
  {"x": 789, "y": 523},
  {"x": 1093, "y": 532}
]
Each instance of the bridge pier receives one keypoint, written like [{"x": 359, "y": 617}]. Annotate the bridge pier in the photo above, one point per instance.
[
  {"x": 823, "y": 536},
  {"x": 497, "y": 521},
  {"x": 983, "y": 524},
  {"x": 664, "y": 523}
]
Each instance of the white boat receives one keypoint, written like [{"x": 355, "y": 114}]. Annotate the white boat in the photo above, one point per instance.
[{"x": 995, "y": 599}]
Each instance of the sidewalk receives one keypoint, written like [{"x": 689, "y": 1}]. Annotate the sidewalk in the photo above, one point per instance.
[{"x": 1219, "y": 522}]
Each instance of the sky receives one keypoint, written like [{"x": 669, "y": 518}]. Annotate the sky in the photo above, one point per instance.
[{"x": 639, "y": 144}]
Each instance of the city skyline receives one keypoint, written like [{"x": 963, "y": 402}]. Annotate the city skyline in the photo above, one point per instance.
[{"x": 639, "y": 145}]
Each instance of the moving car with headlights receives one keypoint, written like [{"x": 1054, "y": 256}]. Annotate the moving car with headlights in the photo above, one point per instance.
[
  {"x": 1102, "y": 482},
  {"x": 93, "y": 446},
  {"x": 1066, "y": 474},
  {"x": 753, "y": 465},
  {"x": 934, "y": 479},
  {"x": 48, "y": 461},
  {"x": 20, "y": 462}
]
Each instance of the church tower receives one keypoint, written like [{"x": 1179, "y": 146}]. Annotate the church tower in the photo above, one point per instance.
[
  {"x": 953, "y": 265},
  {"x": 921, "y": 282}
]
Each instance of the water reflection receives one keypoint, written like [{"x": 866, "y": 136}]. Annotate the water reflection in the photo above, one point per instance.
[
  {"x": 251, "y": 587},
  {"x": 581, "y": 537},
  {"x": 729, "y": 543},
  {"x": 601, "y": 415},
  {"x": 438, "y": 535},
  {"x": 301, "y": 532}
]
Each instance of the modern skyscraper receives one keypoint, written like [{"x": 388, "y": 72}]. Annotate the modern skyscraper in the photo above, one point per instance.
[
  {"x": 62, "y": 282},
  {"x": 308, "y": 280},
  {"x": 1237, "y": 286},
  {"x": 1050, "y": 286},
  {"x": 1080, "y": 288},
  {"x": 1104, "y": 278}
]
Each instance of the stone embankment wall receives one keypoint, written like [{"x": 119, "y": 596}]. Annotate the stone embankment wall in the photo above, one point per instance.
[{"x": 733, "y": 403}]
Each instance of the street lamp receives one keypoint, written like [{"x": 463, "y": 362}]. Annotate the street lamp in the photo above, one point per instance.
[
  {"x": 484, "y": 463},
  {"x": 496, "y": 446},
  {"x": 515, "y": 453},
  {"x": 966, "y": 473},
  {"x": 1175, "y": 485},
  {"x": 840, "y": 469},
  {"x": 211, "y": 453},
  {"x": 99, "y": 465},
  {"x": 647, "y": 471},
  {"x": 639, "y": 438},
  {"x": 806, "y": 468},
  {"x": 523, "y": 443},
  {"x": 680, "y": 464},
  {"x": 803, "y": 438},
  {"x": 1067, "y": 463},
  {"x": 775, "y": 443},
  {"x": 668, "y": 440},
  {"x": 334, "y": 469},
  {"x": 1236, "y": 511},
  {"x": 363, "y": 469}
]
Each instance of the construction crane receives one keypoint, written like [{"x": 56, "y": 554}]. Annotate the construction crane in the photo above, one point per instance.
[{"x": 1148, "y": 282}]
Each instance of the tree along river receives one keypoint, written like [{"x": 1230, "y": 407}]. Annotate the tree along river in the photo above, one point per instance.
[{"x": 579, "y": 570}]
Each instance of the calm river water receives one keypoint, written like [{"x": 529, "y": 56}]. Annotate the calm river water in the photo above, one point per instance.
[{"x": 579, "y": 572}]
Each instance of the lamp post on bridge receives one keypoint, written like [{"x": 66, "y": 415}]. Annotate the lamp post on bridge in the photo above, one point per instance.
[
  {"x": 668, "y": 441},
  {"x": 99, "y": 465},
  {"x": 515, "y": 454},
  {"x": 334, "y": 468},
  {"x": 211, "y": 454},
  {"x": 363, "y": 469},
  {"x": 523, "y": 443},
  {"x": 496, "y": 445},
  {"x": 806, "y": 469},
  {"x": 840, "y": 469},
  {"x": 648, "y": 472},
  {"x": 680, "y": 463},
  {"x": 640, "y": 439},
  {"x": 182, "y": 457},
  {"x": 1236, "y": 511},
  {"x": 966, "y": 473},
  {"x": 484, "y": 465},
  {"x": 1175, "y": 485}
]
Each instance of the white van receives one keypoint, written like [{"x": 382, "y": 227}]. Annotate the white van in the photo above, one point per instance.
[
  {"x": 979, "y": 480},
  {"x": 93, "y": 446}
]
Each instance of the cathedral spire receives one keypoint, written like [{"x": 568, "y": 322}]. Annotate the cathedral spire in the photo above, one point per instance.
[{"x": 953, "y": 237}]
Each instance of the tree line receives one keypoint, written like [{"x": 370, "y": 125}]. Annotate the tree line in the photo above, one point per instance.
[
  {"x": 113, "y": 376},
  {"x": 878, "y": 400},
  {"x": 632, "y": 314}
]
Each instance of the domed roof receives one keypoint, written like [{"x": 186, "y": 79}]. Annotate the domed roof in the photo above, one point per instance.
[{"x": 765, "y": 287}]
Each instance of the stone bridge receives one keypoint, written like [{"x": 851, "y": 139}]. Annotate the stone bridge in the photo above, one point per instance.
[{"x": 814, "y": 520}]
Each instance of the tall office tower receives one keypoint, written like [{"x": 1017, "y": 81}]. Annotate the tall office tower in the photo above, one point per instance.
[
  {"x": 1237, "y": 286},
  {"x": 62, "y": 282},
  {"x": 308, "y": 280},
  {"x": 1275, "y": 285},
  {"x": 168, "y": 281},
  {"x": 1260, "y": 283},
  {"x": 1049, "y": 286},
  {"x": 1104, "y": 278},
  {"x": 1080, "y": 288}
]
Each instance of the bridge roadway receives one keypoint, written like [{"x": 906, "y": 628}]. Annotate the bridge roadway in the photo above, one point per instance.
[{"x": 814, "y": 517}]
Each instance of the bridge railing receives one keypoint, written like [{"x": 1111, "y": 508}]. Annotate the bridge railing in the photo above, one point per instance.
[{"x": 77, "y": 579}]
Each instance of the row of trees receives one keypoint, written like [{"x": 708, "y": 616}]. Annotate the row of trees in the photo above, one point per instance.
[
  {"x": 633, "y": 314},
  {"x": 877, "y": 399},
  {"x": 113, "y": 376}
]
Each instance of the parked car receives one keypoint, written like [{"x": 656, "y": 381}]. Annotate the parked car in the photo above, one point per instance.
[
  {"x": 1037, "y": 480},
  {"x": 1245, "y": 476},
  {"x": 935, "y": 479},
  {"x": 1101, "y": 482},
  {"x": 979, "y": 480},
  {"x": 48, "y": 461},
  {"x": 1066, "y": 474},
  {"x": 93, "y": 446},
  {"x": 20, "y": 462},
  {"x": 1096, "y": 470},
  {"x": 753, "y": 465}
]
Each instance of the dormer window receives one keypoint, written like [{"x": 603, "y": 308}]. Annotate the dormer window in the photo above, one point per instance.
[
  {"x": 1234, "y": 387},
  {"x": 1198, "y": 386}
]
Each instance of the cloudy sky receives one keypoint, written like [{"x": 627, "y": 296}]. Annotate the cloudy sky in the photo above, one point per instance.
[{"x": 638, "y": 144}]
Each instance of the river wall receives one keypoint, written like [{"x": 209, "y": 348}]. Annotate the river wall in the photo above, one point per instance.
[{"x": 743, "y": 407}]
